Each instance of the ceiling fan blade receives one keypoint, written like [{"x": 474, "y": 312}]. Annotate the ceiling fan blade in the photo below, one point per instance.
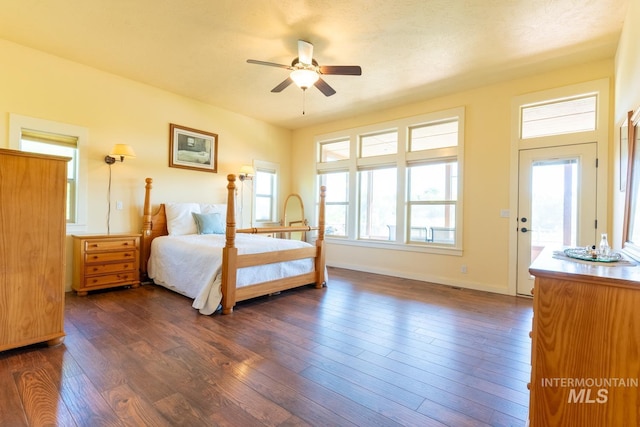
[
  {"x": 324, "y": 87},
  {"x": 305, "y": 52},
  {"x": 343, "y": 70},
  {"x": 270, "y": 64},
  {"x": 282, "y": 86}
]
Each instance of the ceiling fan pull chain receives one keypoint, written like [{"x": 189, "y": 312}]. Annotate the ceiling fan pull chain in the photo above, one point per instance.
[{"x": 304, "y": 98}]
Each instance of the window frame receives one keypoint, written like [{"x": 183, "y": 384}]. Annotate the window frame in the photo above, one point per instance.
[
  {"x": 18, "y": 123},
  {"x": 401, "y": 161}
]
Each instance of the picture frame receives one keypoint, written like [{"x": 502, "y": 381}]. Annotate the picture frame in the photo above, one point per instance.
[
  {"x": 193, "y": 149},
  {"x": 624, "y": 152}
]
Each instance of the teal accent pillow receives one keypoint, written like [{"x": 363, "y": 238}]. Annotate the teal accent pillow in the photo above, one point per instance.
[{"x": 209, "y": 223}]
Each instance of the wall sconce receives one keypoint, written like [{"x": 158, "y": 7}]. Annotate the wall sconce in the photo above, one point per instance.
[
  {"x": 246, "y": 172},
  {"x": 120, "y": 150}
]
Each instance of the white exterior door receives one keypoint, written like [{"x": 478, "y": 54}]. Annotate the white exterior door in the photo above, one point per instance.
[{"x": 556, "y": 203}]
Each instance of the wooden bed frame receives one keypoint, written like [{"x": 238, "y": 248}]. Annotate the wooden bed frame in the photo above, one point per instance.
[{"x": 155, "y": 224}]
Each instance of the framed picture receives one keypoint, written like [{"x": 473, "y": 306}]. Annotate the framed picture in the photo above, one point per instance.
[
  {"x": 624, "y": 152},
  {"x": 193, "y": 149}
]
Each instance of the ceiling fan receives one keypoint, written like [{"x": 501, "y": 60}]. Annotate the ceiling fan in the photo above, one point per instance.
[{"x": 305, "y": 70}]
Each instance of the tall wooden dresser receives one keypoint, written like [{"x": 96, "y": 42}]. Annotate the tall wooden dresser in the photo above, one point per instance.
[
  {"x": 586, "y": 343},
  {"x": 32, "y": 250}
]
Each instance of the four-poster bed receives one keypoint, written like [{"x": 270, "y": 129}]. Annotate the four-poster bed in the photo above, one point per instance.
[{"x": 229, "y": 265}]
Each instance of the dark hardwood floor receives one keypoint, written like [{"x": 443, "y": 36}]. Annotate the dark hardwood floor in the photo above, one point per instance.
[{"x": 369, "y": 350}]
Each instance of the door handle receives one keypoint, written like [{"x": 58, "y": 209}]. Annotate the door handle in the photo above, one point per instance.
[{"x": 525, "y": 230}]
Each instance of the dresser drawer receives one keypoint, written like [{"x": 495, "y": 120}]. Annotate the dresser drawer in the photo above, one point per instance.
[
  {"x": 94, "y": 245},
  {"x": 112, "y": 279},
  {"x": 94, "y": 269},
  {"x": 101, "y": 257}
]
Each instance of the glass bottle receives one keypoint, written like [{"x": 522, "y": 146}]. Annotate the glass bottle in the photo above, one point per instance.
[{"x": 604, "y": 245}]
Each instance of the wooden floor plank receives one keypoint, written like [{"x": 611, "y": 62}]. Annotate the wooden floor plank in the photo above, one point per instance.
[{"x": 368, "y": 350}]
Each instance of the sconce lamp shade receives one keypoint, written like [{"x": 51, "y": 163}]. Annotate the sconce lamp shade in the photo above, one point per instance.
[
  {"x": 123, "y": 150},
  {"x": 246, "y": 172},
  {"x": 120, "y": 150}
]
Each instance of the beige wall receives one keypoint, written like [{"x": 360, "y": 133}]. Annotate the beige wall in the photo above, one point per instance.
[
  {"x": 486, "y": 182},
  {"x": 627, "y": 98},
  {"x": 117, "y": 110}
]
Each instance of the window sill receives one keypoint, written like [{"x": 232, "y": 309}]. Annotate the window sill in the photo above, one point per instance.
[{"x": 395, "y": 246}]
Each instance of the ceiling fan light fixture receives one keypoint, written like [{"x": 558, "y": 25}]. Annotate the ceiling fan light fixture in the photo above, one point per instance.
[{"x": 304, "y": 78}]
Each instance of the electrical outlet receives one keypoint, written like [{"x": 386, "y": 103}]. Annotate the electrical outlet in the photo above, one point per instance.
[
  {"x": 463, "y": 269},
  {"x": 119, "y": 205}
]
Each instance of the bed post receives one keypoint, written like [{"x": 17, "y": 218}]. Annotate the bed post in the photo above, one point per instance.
[
  {"x": 145, "y": 247},
  {"x": 320, "y": 262},
  {"x": 230, "y": 252}
]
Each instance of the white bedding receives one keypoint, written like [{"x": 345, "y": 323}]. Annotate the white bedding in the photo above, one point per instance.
[{"x": 191, "y": 265}]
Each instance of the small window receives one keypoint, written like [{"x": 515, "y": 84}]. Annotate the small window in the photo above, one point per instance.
[
  {"x": 334, "y": 151},
  {"x": 379, "y": 144},
  {"x": 58, "y": 145},
  {"x": 265, "y": 198},
  {"x": 559, "y": 117},
  {"x": 433, "y": 135}
]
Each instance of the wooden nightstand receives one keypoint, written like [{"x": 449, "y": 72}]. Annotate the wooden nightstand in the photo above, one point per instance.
[{"x": 105, "y": 261}]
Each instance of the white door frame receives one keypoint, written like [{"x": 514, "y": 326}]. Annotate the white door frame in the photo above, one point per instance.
[{"x": 600, "y": 135}]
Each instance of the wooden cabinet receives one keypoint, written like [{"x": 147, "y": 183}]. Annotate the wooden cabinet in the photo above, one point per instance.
[
  {"x": 105, "y": 261},
  {"x": 586, "y": 343},
  {"x": 32, "y": 250}
]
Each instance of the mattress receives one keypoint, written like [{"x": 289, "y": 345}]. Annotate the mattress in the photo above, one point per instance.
[{"x": 192, "y": 264}]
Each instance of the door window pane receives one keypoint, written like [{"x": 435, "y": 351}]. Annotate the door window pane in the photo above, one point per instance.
[{"x": 554, "y": 205}]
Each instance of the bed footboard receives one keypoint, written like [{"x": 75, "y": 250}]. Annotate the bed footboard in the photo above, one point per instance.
[{"x": 231, "y": 261}]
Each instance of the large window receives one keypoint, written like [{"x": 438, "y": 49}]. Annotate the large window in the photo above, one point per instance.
[{"x": 396, "y": 182}]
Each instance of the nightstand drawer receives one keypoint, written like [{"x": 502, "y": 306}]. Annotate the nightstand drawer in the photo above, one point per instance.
[
  {"x": 109, "y": 245},
  {"x": 100, "y": 257},
  {"x": 112, "y": 279},
  {"x": 91, "y": 270}
]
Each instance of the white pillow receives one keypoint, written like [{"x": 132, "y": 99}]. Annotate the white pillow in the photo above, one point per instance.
[
  {"x": 209, "y": 208},
  {"x": 179, "y": 218}
]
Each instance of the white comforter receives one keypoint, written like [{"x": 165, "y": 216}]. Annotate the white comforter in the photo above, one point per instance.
[{"x": 191, "y": 265}]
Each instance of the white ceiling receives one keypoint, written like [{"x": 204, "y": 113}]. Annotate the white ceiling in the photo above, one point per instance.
[{"x": 408, "y": 49}]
